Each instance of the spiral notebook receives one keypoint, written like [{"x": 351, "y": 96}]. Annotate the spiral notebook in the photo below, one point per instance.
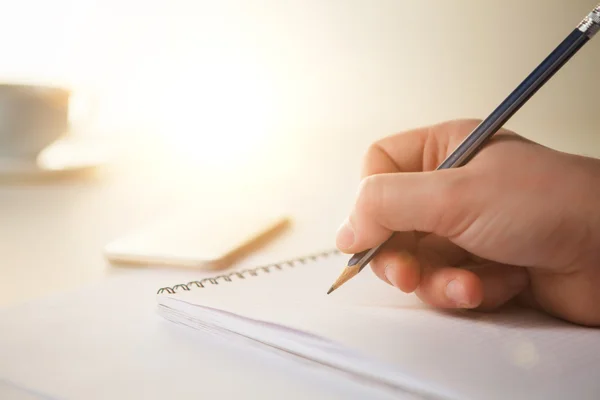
[{"x": 371, "y": 331}]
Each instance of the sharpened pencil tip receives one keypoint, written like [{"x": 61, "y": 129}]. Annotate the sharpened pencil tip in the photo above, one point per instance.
[{"x": 346, "y": 275}]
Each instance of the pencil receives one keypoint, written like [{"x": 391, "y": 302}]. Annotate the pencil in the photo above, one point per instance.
[{"x": 584, "y": 32}]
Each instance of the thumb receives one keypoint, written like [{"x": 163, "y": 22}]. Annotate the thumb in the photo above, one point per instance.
[{"x": 435, "y": 202}]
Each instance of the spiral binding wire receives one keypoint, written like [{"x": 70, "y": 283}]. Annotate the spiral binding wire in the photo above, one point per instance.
[{"x": 245, "y": 273}]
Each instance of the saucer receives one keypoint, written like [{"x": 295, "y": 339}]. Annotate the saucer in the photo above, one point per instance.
[{"x": 60, "y": 159}]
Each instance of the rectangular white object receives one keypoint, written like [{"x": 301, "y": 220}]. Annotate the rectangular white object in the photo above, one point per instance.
[{"x": 201, "y": 237}]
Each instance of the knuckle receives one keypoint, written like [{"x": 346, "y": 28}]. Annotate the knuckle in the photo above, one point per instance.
[
  {"x": 462, "y": 127},
  {"x": 370, "y": 156},
  {"x": 453, "y": 189},
  {"x": 369, "y": 195},
  {"x": 446, "y": 201},
  {"x": 373, "y": 149},
  {"x": 468, "y": 123},
  {"x": 471, "y": 122},
  {"x": 449, "y": 188}
]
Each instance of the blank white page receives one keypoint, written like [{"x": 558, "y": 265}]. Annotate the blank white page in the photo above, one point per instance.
[
  {"x": 105, "y": 341},
  {"x": 458, "y": 355}
]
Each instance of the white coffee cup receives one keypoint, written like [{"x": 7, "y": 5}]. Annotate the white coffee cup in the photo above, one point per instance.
[{"x": 32, "y": 117}]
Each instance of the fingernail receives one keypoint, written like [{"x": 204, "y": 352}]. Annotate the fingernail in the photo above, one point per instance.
[
  {"x": 455, "y": 291},
  {"x": 345, "y": 236},
  {"x": 390, "y": 274},
  {"x": 405, "y": 257}
]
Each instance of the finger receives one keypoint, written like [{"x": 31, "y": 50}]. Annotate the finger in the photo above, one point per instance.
[
  {"x": 436, "y": 202},
  {"x": 444, "y": 250},
  {"x": 485, "y": 288},
  {"x": 412, "y": 151},
  {"x": 449, "y": 287},
  {"x": 402, "y": 152},
  {"x": 396, "y": 264},
  {"x": 500, "y": 283},
  {"x": 416, "y": 150}
]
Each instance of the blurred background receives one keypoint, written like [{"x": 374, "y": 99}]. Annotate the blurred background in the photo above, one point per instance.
[
  {"x": 201, "y": 98},
  {"x": 260, "y": 83}
]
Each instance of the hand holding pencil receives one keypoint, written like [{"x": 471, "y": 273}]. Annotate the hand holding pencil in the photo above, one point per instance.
[{"x": 520, "y": 221}]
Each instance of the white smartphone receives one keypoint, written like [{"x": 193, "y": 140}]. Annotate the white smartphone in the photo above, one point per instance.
[{"x": 198, "y": 238}]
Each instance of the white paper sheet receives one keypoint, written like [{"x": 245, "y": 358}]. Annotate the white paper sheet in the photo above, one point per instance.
[
  {"x": 380, "y": 333},
  {"x": 108, "y": 342}
]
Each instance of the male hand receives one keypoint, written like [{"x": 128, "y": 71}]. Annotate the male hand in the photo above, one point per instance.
[{"x": 519, "y": 222}]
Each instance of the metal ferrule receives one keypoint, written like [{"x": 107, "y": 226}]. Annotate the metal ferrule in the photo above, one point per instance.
[{"x": 591, "y": 24}]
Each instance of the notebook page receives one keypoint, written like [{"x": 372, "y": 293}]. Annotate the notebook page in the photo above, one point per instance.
[
  {"x": 472, "y": 355},
  {"x": 105, "y": 341}
]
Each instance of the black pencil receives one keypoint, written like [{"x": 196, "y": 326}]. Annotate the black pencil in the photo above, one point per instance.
[{"x": 478, "y": 138}]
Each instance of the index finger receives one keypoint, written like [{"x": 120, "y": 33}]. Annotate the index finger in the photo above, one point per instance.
[{"x": 416, "y": 150}]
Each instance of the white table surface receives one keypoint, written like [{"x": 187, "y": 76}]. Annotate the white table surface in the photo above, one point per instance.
[{"x": 393, "y": 72}]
